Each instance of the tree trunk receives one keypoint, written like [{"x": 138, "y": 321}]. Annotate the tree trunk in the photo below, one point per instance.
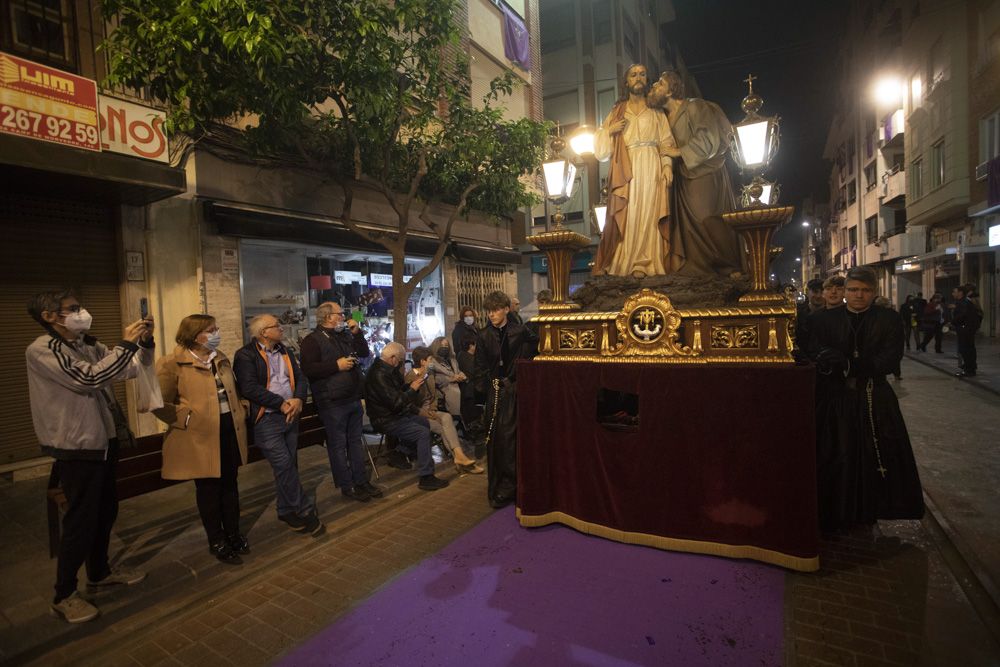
[{"x": 401, "y": 292}]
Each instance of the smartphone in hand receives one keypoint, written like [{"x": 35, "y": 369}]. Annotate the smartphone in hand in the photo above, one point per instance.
[{"x": 143, "y": 308}]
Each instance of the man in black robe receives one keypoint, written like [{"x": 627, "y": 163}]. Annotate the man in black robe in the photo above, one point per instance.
[
  {"x": 501, "y": 343},
  {"x": 865, "y": 465}
]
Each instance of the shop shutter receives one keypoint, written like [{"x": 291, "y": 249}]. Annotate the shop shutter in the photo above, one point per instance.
[
  {"x": 48, "y": 243},
  {"x": 475, "y": 282}
]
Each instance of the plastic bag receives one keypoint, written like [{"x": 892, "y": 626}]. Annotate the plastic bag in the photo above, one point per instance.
[{"x": 148, "y": 396}]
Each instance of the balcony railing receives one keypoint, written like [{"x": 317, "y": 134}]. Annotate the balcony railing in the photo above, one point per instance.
[{"x": 893, "y": 187}]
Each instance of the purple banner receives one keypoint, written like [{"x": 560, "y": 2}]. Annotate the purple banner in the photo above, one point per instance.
[{"x": 516, "y": 43}]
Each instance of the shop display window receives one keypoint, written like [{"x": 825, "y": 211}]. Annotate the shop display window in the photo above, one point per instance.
[{"x": 290, "y": 281}]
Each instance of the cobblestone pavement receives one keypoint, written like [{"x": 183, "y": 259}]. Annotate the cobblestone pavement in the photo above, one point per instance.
[{"x": 917, "y": 593}]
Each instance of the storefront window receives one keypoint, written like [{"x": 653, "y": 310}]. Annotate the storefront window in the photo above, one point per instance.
[{"x": 290, "y": 281}]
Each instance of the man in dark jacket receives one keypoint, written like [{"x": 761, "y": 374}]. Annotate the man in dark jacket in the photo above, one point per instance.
[
  {"x": 966, "y": 318},
  {"x": 814, "y": 302},
  {"x": 500, "y": 345},
  {"x": 393, "y": 408},
  {"x": 330, "y": 361},
  {"x": 865, "y": 465},
  {"x": 269, "y": 377}
]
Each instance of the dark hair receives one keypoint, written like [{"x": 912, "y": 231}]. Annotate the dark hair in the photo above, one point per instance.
[
  {"x": 815, "y": 285},
  {"x": 496, "y": 301},
  {"x": 50, "y": 302},
  {"x": 676, "y": 82},
  {"x": 420, "y": 353},
  {"x": 623, "y": 97},
  {"x": 833, "y": 281},
  {"x": 191, "y": 326},
  {"x": 466, "y": 309},
  {"x": 863, "y": 274},
  {"x": 544, "y": 296}
]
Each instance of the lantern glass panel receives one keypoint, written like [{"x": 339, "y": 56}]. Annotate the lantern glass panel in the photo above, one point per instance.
[
  {"x": 555, "y": 182},
  {"x": 601, "y": 213},
  {"x": 753, "y": 142}
]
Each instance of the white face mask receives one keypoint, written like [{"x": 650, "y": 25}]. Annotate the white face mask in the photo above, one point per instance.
[
  {"x": 469, "y": 320},
  {"x": 213, "y": 340},
  {"x": 78, "y": 322}
]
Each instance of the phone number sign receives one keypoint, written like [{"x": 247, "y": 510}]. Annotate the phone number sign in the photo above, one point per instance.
[{"x": 45, "y": 103}]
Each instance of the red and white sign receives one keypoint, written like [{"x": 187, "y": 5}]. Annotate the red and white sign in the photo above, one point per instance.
[
  {"x": 132, "y": 129},
  {"x": 45, "y": 103}
]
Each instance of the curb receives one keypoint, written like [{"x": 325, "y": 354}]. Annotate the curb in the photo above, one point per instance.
[{"x": 973, "y": 382}]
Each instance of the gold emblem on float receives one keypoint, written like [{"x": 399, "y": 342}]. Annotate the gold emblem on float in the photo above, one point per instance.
[{"x": 646, "y": 324}]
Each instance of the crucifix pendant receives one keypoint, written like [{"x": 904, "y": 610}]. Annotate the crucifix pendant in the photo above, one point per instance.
[
  {"x": 855, "y": 354},
  {"x": 882, "y": 471}
]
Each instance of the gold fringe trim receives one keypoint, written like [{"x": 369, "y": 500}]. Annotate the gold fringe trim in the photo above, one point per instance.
[{"x": 671, "y": 543}]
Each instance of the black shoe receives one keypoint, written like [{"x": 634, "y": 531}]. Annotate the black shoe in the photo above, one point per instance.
[
  {"x": 432, "y": 483},
  {"x": 356, "y": 493},
  {"x": 313, "y": 525},
  {"x": 965, "y": 374},
  {"x": 371, "y": 489},
  {"x": 238, "y": 543},
  {"x": 225, "y": 553},
  {"x": 397, "y": 459},
  {"x": 293, "y": 521}
]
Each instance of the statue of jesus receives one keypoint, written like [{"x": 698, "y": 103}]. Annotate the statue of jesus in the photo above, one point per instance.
[{"x": 636, "y": 137}]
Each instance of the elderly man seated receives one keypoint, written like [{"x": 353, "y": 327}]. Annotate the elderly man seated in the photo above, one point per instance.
[
  {"x": 441, "y": 422},
  {"x": 393, "y": 408}
]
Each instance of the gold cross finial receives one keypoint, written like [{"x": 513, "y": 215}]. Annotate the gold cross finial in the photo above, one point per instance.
[{"x": 750, "y": 79}]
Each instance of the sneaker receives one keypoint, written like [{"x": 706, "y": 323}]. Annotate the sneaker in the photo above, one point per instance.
[
  {"x": 119, "y": 576},
  {"x": 293, "y": 521},
  {"x": 313, "y": 525},
  {"x": 371, "y": 489},
  {"x": 432, "y": 483},
  {"x": 356, "y": 493},
  {"x": 74, "y": 609}
]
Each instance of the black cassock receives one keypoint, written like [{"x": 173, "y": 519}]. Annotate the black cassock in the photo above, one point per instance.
[
  {"x": 497, "y": 353},
  {"x": 865, "y": 465}
]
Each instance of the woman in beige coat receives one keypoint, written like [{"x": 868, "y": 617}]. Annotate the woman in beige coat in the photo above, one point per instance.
[{"x": 206, "y": 440}]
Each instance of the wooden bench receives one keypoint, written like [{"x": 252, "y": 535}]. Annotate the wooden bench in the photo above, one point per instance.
[{"x": 139, "y": 468}]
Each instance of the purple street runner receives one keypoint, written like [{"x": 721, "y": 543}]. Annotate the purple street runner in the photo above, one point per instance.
[{"x": 504, "y": 595}]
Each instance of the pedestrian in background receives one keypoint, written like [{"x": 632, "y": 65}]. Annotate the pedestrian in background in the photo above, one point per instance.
[
  {"x": 932, "y": 323},
  {"x": 448, "y": 377},
  {"x": 908, "y": 316},
  {"x": 966, "y": 318},
  {"x": 206, "y": 437},
  {"x": 466, "y": 330},
  {"x": 79, "y": 423}
]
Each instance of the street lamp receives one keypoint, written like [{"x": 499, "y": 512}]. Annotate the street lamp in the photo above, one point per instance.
[
  {"x": 889, "y": 92},
  {"x": 755, "y": 138},
  {"x": 581, "y": 141}
]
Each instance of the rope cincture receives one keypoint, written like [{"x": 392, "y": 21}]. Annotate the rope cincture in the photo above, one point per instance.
[
  {"x": 871, "y": 421},
  {"x": 493, "y": 417}
]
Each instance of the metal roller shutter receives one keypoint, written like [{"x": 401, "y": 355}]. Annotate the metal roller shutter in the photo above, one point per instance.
[{"x": 48, "y": 243}]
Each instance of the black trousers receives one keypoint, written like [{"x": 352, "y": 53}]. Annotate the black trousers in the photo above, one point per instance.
[
  {"x": 92, "y": 499},
  {"x": 937, "y": 334},
  {"x": 218, "y": 498},
  {"x": 967, "y": 349},
  {"x": 501, "y": 450}
]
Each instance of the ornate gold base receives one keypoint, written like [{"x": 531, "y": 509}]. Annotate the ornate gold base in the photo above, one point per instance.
[{"x": 649, "y": 329}]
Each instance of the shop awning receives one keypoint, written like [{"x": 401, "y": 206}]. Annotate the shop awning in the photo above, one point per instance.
[
  {"x": 39, "y": 166},
  {"x": 233, "y": 220}
]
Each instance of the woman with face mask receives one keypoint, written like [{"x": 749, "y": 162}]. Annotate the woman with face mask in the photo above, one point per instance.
[
  {"x": 466, "y": 331},
  {"x": 206, "y": 440}
]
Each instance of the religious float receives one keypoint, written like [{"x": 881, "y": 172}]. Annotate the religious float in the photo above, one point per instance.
[{"x": 670, "y": 420}]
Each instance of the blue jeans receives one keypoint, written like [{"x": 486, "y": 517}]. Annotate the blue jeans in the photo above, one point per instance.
[
  {"x": 345, "y": 446},
  {"x": 414, "y": 431},
  {"x": 279, "y": 443}
]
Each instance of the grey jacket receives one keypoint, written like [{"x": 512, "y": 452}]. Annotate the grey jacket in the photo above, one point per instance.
[{"x": 69, "y": 387}]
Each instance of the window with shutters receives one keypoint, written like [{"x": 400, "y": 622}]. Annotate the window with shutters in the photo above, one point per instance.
[
  {"x": 475, "y": 282},
  {"x": 40, "y": 30}
]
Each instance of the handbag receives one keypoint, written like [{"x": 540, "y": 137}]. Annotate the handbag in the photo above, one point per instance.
[{"x": 148, "y": 396}]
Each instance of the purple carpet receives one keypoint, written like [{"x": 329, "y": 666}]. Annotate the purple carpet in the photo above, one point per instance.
[{"x": 505, "y": 595}]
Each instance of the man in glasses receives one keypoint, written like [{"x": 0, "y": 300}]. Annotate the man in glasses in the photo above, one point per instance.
[
  {"x": 80, "y": 424},
  {"x": 268, "y": 376},
  {"x": 330, "y": 360}
]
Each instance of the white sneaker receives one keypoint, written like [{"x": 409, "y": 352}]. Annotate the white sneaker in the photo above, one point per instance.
[
  {"x": 119, "y": 575},
  {"x": 74, "y": 609}
]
